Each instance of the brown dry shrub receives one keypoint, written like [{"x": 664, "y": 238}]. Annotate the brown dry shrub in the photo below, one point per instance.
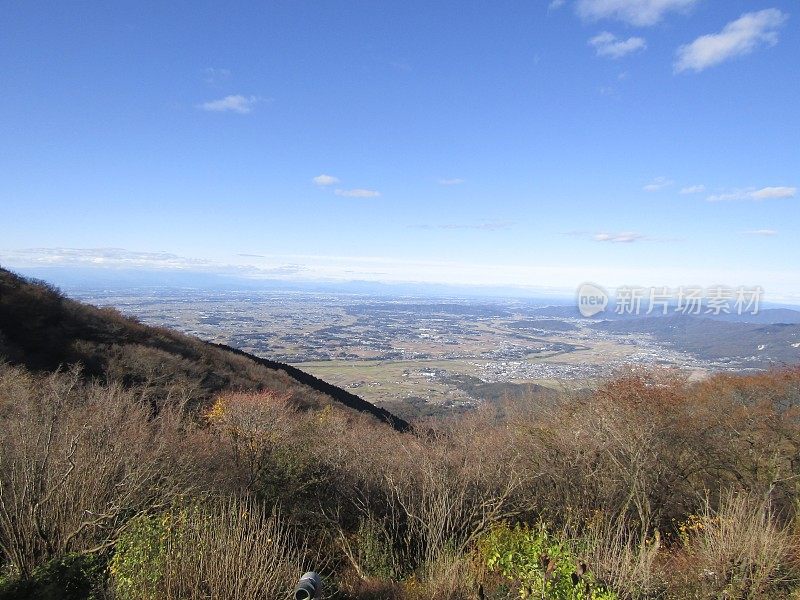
[
  {"x": 352, "y": 587},
  {"x": 620, "y": 558},
  {"x": 233, "y": 550},
  {"x": 648, "y": 447},
  {"x": 736, "y": 551},
  {"x": 413, "y": 504},
  {"x": 76, "y": 463}
]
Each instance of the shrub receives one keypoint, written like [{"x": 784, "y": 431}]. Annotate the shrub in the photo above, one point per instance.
[
  {"x": 76, "y": 463},
  {"x": 228, "y": 549},
  {"x": 627, "y": 563},
  {"x": 435, "y": 493},
  {"x": 539, "y": 564},
  {"x": 370, "y": 550},
  {"x": 69, "y": 577},
  {"x": 140, "y": 556},
  {"x": 451, "y": 576},
  {"x": 738, "y": 551}
]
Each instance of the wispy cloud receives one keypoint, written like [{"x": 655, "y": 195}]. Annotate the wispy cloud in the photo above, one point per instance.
[
  {"x": 103, "y": 257},
  {"x": 659, "y": 183},
  {"x": 212, "y": 75},
  {"x": 762, "y": 232},
  {"x": 609, "y": 45},
  {"x": 641, "y": 13},
  {"x": 766, "y": 193},
  {"x": 120, "y": 258},
  {"x": 358, "y": 193},
  {"x": 774, "y": 192},
  {"x": 693, "y": 189},
  {"x": 323, "y": 180},
  {"x": 742, "y": 36},
  {"x": 556, "y": 4},
  {"x": 238, "y": 104},
  {"x": 453, "y": 181},
  {"x": 607, "y": 90},
  {"x": 623, "y": 237},
  {"x": 482, "y": 226}
]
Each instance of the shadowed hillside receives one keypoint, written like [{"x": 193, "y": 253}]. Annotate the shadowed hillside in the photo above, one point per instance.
[{"x": 42, "y": 330}]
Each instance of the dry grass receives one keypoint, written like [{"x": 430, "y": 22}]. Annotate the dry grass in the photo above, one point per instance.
[
  {"x": 620, "y": 558},
  {"x": 737, "y": 551},
  {"x": 663, "y": 487},
  {"x": 233, "y": 549},
  {"x": 76, "y": 463}
]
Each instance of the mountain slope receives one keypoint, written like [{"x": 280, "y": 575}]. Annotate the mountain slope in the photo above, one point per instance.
[
  {"x": 44, "y": 331},
  {"x": 747, "y": 344}
]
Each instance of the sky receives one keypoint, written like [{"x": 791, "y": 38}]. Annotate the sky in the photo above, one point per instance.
[{"x": 520, "y": 143}]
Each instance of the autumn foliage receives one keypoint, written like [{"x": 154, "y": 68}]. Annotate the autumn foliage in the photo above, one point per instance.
[{"x": 649, "y": 486}]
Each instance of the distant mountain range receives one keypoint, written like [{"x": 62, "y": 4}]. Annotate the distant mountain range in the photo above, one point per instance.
[
  {"x": 744, "y": 343},
  {"x": 768, "y": 338},
  {"x": 767, "y": 316},
  {"x": 84, "y": 278}
]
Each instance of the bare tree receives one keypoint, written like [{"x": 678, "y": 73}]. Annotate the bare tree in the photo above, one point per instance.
[{"x": 76, "y": 463}]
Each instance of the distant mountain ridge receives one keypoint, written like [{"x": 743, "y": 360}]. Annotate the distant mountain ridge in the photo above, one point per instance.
[
  {"x": 44, "y": 331},
  {"x": 751, "y": 344},
  {"x": 767, "y": 316}
]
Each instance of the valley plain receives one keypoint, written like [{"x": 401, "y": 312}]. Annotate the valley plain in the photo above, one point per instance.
[{"x": 426, "y": 356}]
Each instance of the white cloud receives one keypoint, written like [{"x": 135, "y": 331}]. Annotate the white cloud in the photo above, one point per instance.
[
  {"x": 774, "y": 192},
  {"x": 608, "y": 45},
  {"x": 765, "y": 193},
  {"x": 659, "y": 183},
  {"x": 556, "y": 4},
  {"x": 103, "y": 257},
  {"x": 763, "y": 232},
  {"x": 641, "y": 13},
  {"x": 725, "y": 196},
  {"x": 120, "y": 258},
  {"x": 737, "y": 38},
  {"x": 324, "y": 180},
  {"x": 358, "y": 193},
  {"x": 238, "y": 104},
  {"x": 624, "y": 237},
  {"x": 693, "y": 189},
  {"x": 453, "y": 181}
]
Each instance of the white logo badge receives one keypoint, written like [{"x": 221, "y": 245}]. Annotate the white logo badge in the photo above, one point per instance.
[{"x": 592, "y": 299}]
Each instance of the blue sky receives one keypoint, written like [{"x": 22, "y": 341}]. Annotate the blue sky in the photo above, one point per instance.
[{"x": 531, "y": 143}]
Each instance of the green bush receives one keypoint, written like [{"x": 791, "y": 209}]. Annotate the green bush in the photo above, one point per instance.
[
  {"x": 138, "y": 563},
  {"x": 539, "y": 564},
  {"x": 221, "y": 549},
  {"x": 70, "y": 577},
  {"x": 375, "y": 552}
]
